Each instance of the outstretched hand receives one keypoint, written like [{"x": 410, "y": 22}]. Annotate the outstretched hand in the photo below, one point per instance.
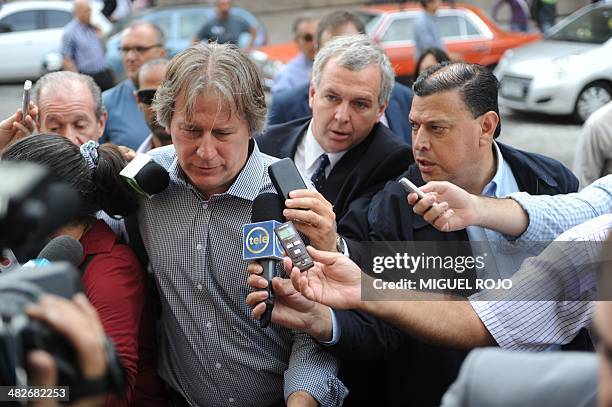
[
  {"x": 447, "y": 207},
  {"x": 334, "y": 280}
]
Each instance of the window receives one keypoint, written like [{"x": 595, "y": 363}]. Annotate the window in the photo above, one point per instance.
[
  {"x": 55, "y": 18},
  {"x": 401, "y": 29},
  {"x": 470, "y": 28},
  {"x": 449, "y": 26},
  {"x": 21, "y": 21},
  {"x": 593, "y": 27}
]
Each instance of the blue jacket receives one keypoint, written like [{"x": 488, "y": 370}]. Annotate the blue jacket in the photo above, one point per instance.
[
  {"x": 392, "y": 357},
  {"x": 293, "y": 104}
]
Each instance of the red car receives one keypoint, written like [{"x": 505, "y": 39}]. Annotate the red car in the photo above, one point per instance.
[{"x": 466, "y": 31}]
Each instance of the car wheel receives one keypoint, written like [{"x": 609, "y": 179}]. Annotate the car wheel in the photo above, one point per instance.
[{"x": 591, "y": 98}]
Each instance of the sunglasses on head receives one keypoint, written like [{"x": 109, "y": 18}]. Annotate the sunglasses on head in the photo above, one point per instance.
[{"x": 146, "y": 95}]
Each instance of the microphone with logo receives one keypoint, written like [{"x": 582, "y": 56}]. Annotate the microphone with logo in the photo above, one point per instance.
[
  {"x": 261, "y": 244},
  {"x": 145, "y": 176}
]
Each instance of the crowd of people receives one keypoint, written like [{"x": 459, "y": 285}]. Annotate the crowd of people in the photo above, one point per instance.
[{"x": 352, "y": 132}]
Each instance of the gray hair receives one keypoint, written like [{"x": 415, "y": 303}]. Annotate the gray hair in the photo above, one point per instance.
[
  {"x": 60, "y": 80},
  {"x": 221, "y": 68},
  {"x": 150, "y": 64},
  {"x": 356, "y": 52}
]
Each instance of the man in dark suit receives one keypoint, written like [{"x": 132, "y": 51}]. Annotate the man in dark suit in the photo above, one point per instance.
[
  {"x": 455, "y": 119},
  {"x": 350, "y": 88},
  {"x": 293, "y": 103}
]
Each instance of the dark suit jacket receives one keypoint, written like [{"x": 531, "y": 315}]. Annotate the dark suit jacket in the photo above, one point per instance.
[
  {"x": 293, "y": 104},
  {"x": 409, "y": 372},
  {"x": 361, "y": 172}
]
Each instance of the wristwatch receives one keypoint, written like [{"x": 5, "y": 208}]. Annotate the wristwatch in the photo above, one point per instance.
[{"x": 340, "y": 244}]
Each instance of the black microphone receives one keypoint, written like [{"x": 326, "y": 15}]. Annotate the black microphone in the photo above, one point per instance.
[
  {"x": 146, "y": 176},
  {"x": 55, "y": 206},
  {"x": 261, "y": 244},
  {"x": 62, "y": 248}
]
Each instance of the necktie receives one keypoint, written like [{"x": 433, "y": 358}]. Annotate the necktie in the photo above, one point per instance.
[{"x": 318, "y": 178}]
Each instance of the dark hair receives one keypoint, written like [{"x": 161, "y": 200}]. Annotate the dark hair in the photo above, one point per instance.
[
  {"x": 437, "y": 53},
  {"x": 337, "y": 19},
  {"x": 476, "y": 84},
  {"x": 100, "y": 189}
]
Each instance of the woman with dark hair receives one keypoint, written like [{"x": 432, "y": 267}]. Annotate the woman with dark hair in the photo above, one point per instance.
[
  {"x": 111, "y": 274},
  {"x": 429, "y": 57}
]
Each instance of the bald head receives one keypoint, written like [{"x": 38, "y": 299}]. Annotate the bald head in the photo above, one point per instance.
[{"x": 82, "y": 11}]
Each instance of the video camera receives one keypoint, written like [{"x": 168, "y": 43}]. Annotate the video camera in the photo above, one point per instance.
[{"x": 31, "y": 208}]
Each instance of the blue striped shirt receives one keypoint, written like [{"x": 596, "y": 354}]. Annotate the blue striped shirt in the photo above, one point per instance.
[{"x": 81, "y": 44}]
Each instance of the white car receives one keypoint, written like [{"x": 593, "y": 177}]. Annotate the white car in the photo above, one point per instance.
[
  {"x": 30, "y": 29},
  {"x": 569, "y": 72}
]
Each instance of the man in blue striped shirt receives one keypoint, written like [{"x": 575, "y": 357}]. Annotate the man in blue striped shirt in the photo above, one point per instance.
[{"x": 83, "y": 48}]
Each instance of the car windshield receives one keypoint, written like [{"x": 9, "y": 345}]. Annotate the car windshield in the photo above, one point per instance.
[{"x": 594, "y": 27}]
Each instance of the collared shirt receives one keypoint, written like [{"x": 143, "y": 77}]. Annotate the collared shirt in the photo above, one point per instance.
[
  {"x": 518, "y": 322},
  {"x": 126, "y": 125},
  {"x": 146, "y": 145},
  {"x": 549, "y": 216},
  {"x": 503, "y": 263},
  {"x": 308, "y": 152},
  {"x": 212, "y": 351},
  {"x": 296, "y": 73},
  {"x": 426, "y": 34},
  {"x": 81, "y": 44}
]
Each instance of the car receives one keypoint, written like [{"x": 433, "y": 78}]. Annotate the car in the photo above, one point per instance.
[
  {"x": 567, "y": 73},
  {"x": 466, "y": 30},
  {"x": 29, "y": 30},
  {"x": 179, "y": 25}
]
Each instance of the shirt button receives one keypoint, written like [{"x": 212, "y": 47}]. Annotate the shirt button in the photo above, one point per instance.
[
  {"x": 204, "y": 206},
  {"x": 231, "y": 400},
  {"x": 198, "y": 247},
  {"x": 208, "y": 324},
  {"x": 218, "y": 365},
  {"x": 199, "y": 286}
]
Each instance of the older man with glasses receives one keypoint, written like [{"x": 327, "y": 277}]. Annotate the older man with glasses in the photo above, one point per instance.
[
  {"x": 126, "y": 126},
  {"x": 297, "y": 71}
]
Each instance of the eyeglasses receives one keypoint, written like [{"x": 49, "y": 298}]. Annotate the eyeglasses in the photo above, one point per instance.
[
  {"x": 307, "y": 37},
  {"x": 146, "y": 96},
  {"x": 138, "y": 50}
]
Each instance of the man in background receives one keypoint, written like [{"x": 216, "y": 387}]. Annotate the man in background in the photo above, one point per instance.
[
  {"x": 83, "y": 46},
  {"x": 297, "y": 71},
  {"x": 225, "y": 27},
  {"x": 140, "y": 42},
  {"x": 426, "y": 34},
  {"x": 149, "y": 77}
]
